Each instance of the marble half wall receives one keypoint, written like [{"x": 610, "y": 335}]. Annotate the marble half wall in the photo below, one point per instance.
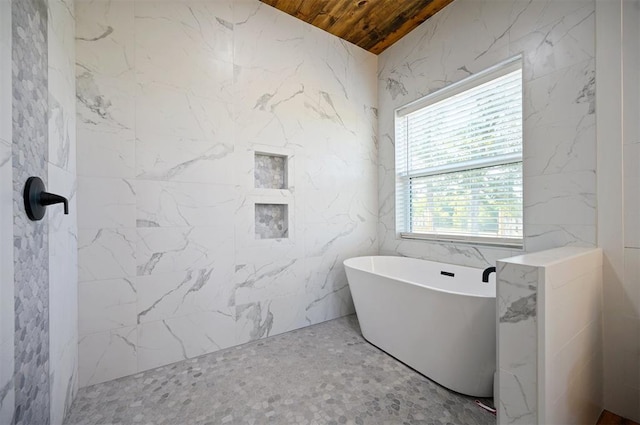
[
  {"x": 550, "y": 363},
  {"x": 169, "y": 264},
  {"x": 556, "y": 39}
]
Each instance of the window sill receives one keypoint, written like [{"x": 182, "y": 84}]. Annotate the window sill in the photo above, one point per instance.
[{"x": 510, "y": 243}]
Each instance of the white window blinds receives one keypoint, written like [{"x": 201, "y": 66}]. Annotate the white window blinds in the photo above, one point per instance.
[{"x": 459, "y": 161}]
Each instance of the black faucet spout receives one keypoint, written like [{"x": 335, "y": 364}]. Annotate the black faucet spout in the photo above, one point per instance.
[{"x": 486, "y": 273}]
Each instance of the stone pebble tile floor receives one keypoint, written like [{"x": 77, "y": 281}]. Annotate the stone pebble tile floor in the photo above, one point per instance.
[{"x": 322, "y": 374}]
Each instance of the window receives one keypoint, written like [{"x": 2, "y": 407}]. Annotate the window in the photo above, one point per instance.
[{"x": 459, "y": 161}]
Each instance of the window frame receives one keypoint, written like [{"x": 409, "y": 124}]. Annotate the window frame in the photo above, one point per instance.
[{"x": 403, "y": 179}]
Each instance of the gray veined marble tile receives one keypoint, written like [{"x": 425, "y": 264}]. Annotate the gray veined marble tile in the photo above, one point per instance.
[
  {"x": 556, "y": 39},
  {"x": 181, "y": 137},
  {"x": 171, "y": 249}
]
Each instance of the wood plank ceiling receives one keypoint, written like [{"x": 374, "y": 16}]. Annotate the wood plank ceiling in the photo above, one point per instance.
[{"x": 373, "y": 25}]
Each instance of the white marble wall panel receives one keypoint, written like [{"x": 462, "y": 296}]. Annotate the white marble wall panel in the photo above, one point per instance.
[
  {"x": 327, "y": 291},
  {"x": 106, "y": 203},
  {"x": 540, "y": 236},
  {"x": 106, "y": 253},
  {"x": 289, "y": 312},
  {"x": 174, "y": 112},
  {"x": 472, "y": 256},
  {"x": 575, "y": 370},
  {"x": 205, "y": 69},
  {"x": 256, "y": 320},
  {"x": 170, "y": 340},
  {"x": 274, "y": 272},
  {"x": 199, "y": 290},
  {"x": 106, "y": 304},
  {"x": 63, "y": 294},
  {"x": 570, "y": 150},
  {"x": 169, "y": 249},
  {"x": 583, "y": 295},
  {"x": 63, "y": 234},
  {"x": 62, "y": 85},
  {"x": 332, "y": 60},
  {"x": 258, "y": 23},
  {"x": 7, "y": 404},
  {"x": 571, "y": 339},
  {"x": 7, "y": 311},
  {"x": 553, "y": 44},
  {"x": 568, "y": 195},
  {"x": 170, "y": 126},
  {"x": 105, "y": 355},
  {"x": 326, "y": 287},
  {"x": 177, "y": 204},
  {"x": 105, "y": 86},
  {"x": 557, "y": 42},
  {"x": 517, "y": 343},
  {"x": 568, "y": 93},
  {"x": 517, "y": 399},
  {"x": 157, "y": 158}
]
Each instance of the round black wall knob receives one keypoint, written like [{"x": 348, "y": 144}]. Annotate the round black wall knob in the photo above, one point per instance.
[{"x": 36, "y": 199}]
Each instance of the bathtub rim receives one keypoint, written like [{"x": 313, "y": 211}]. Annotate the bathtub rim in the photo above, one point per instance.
[{"x": 422, "y": 286}]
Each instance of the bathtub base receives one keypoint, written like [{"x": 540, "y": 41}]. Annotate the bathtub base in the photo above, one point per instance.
[{"x": 448, "y": 337}]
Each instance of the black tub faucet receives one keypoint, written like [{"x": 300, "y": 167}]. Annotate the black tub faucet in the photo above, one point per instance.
[{"x": 486, "y": 273}]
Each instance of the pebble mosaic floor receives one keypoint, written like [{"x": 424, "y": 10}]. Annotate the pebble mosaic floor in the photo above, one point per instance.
[{"x": 322, "y": 374}]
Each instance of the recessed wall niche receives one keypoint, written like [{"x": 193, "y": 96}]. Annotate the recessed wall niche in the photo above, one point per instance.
[
  {"x": 272, "y": 221},
  {"x": 270, "y": 171}
]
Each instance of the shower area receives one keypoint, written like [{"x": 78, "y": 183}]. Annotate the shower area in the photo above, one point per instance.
[
  {"x": 221, "y": 159},
  {"x": 211, "y": 139},
  {"x": 213, "y": 142}
]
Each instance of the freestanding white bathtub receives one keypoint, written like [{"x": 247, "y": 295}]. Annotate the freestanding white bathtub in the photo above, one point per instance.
[{"x": 440, "y": 319}]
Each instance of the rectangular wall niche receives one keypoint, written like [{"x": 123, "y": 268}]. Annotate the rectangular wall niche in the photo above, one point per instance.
[
  {"x": 270, "y": 171},
  {"x": 272, "y": 221}
]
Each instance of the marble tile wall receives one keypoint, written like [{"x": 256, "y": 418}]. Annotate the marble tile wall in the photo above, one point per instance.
[
  {"x": 169, "y": 264},
  {"x": 30, "y": 239},
  {"x": 517, "y": 295},
  {"x": 550, "y": 337},
  {"x": 7, "y": 329},
  {"x": 63, "y": 262},
  {"x": 556, "y": 39}
]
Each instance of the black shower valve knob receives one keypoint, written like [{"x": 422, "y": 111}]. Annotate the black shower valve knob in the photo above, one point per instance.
[{"x": 36, "y": 199}]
